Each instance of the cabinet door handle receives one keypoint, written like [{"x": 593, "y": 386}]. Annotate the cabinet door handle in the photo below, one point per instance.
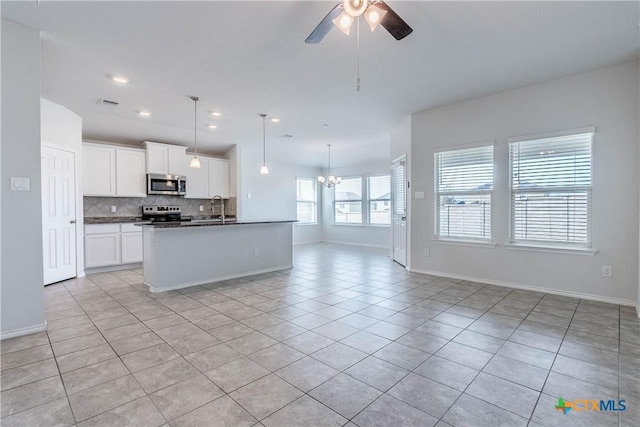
[{"x": 73, "y": 221}]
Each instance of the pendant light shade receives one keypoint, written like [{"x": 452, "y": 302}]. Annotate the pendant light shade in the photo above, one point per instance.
[
  {"x": 331, "y": 180},
  {"x": 344, "y": 22},
  {"x": 264, "y": 170},
  {"x": 195, "y": 161}
]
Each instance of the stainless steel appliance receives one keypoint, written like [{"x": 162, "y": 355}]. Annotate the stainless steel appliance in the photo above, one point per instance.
[
  {"x": 168, "y": 185},
  {"x": 168, "y": 213}
]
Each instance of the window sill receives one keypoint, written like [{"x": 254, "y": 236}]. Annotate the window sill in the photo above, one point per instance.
[
  {"x": 462, "y": 242},
  {"x": 306, "y": 224},
  {"x": 551, "y": 249}
]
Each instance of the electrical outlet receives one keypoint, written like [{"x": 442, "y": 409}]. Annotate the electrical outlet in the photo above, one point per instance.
[
  {"x": 201, "y": 208},
  {"x": 607, "y": 271},
  {"x": 256, "y": 252},
  {"x": 113, "y": 209},
  {"x": 427, "y": 252}
]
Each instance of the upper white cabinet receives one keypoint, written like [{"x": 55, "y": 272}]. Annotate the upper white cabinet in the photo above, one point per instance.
[
  {"x": 99, "y": 170},
  {"x": 130, "y": 173},
  {"x": 197, "y": 179},
  {"x": 218, "y": 177},
  {"x": 113, "y": 171},
  {"x": 165, "y": 158},
  {"x": 210, "y": 180}
]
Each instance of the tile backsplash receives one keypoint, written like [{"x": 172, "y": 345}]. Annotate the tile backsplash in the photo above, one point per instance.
[{"x": 100, "y": 207}]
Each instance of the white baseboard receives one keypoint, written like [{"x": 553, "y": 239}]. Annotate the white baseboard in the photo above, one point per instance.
[
  {"x": 552, "y": 291},
  {"x": 355, "y": 244},
  {"x": 23, "y": 331},
  {"x": 217, "y": 279},
  {"x": 113, "y": 268},
  {"x": 310, "y": 242}
]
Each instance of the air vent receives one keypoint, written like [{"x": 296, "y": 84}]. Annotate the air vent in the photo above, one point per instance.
[
  {"x": 286, "y": 135},
  {"x": 103, "y": 101}
]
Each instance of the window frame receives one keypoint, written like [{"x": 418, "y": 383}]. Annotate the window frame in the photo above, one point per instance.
[
  {"x": 552, "y": 245},
  {"x": 315, "y": 202},
  {"x": 369, "y": 200},
  {"x": 473, "y": 240},
  {"x": 361, "y": 200}
]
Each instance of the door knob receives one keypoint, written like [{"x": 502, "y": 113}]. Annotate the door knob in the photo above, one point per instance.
[
  {"x": 73, "y": 221},
  {"x": 404, "y": 218}
]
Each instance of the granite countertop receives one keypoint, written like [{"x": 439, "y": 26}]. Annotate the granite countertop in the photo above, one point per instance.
[
  {"x": 112, "y": 219},
  {"x": 138, "y": 219},
  {"x": 214, "y": 222}
]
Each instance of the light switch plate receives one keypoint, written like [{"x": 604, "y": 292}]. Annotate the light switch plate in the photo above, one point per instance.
[{"x": 20, "y": 184}]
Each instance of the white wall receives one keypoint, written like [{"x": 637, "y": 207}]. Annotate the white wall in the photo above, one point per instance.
[
  {"x": 22, "y": 282},
  {"x": 61, "y": 128},
  {"x": 273, "y": 196},
  {"x": 365, "y": 235},
  {"x": 607, "y": 99}
]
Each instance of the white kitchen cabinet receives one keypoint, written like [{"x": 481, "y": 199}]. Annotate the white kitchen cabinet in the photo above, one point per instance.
[
  {"x": 218, "y": 177},
  {"x": 113, "y": 171},
  {"x": 165, "y": 159},
  {"x": 197, "y": 179},
  {"x": 131, "y": 173},
  {"x": 99, "y": 170},
  {"x": 107, "y": 245},
  {"x": 131, "y": 243},
  {"x": 101, "y": 245},
  {"x": 210, "y": 180}
]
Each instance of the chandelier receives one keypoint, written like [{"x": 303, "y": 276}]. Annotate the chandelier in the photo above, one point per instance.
[{"x": 331, "y": 180}]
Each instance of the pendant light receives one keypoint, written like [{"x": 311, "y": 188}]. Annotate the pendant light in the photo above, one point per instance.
[
  {"x": 264, "y": 170},
  {"x": 195, "y": 162},
  {"x": 331, "y": 180}
]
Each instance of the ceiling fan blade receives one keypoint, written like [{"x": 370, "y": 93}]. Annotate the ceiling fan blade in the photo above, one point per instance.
[
  {"x": 393, "y": 23},
  {"x": 325, "y": 25}
]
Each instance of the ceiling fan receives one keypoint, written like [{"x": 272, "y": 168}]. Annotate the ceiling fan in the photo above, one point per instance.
[{"x": 376, "y": 12}]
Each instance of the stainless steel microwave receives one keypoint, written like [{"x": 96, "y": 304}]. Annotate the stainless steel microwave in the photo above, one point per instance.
[{"x": 169, "y": 185}]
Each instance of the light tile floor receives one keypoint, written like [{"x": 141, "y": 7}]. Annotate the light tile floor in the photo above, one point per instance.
[{"x": 347, "y": 337}]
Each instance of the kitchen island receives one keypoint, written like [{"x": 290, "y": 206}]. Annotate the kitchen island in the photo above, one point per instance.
[{"x": 178, "y": 255}]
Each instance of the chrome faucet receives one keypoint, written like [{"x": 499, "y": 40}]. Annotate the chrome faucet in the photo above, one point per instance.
[{"x": 213, "y": 206}]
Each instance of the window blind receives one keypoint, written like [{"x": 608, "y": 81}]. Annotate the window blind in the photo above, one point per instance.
[
  {"x": 399, "y": 190},
  {"x": 463, "y": 187},
  {"x": 551, "y": 190}
]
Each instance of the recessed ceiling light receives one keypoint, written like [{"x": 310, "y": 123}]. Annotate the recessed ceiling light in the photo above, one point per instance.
[
  {"x": 216, "y": 114},
  {"x": 144, "y": 113},
  {"x": 122, "y": 80},
  {"x": 212, "y": 126},
  {"x": 275, "y": 119}
]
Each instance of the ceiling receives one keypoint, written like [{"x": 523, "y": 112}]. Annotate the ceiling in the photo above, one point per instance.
[{"x": 245, "y": 58}]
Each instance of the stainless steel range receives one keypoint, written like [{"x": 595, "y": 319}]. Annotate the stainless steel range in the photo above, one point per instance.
[{"x": 160, "y": 213}]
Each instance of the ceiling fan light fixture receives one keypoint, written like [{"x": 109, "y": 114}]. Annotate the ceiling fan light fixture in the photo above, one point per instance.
[
  {"x": 343, "y": 22},
  {"x": 374, "y": 16},
  {"x": 355, "y": 8}
]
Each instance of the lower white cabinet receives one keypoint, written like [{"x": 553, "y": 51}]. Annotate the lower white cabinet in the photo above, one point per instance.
[
  {"x": 131, "y": 243},
  {"x": 111, "y": 245}
]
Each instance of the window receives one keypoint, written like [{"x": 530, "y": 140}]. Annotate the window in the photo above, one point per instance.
[
  {"x": 463, "y": 187},
  {"x": 307, "y": 200},
  {"x": 550, "y": 183},
  {"x": 379, "y": 192},
  {"x": 347, "y": 201}
]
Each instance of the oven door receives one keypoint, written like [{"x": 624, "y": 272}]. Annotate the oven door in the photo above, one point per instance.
[{"x": 173, "y": 185}]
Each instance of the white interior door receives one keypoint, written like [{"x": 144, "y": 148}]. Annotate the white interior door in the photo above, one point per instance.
[
  {"x": 399, "y": 206},
  {"x": 58, "y": 214}
]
